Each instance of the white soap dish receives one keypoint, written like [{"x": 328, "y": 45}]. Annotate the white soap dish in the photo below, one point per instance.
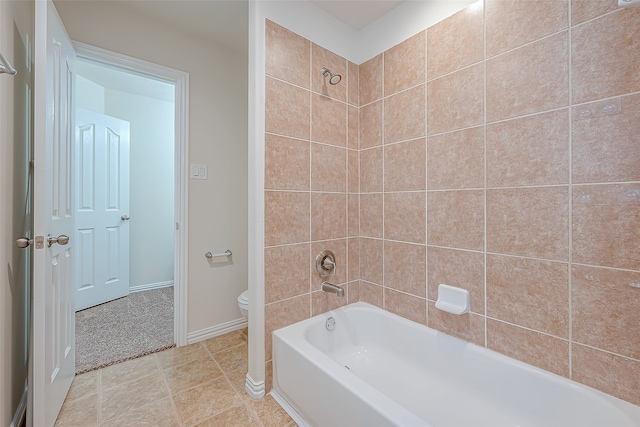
[{"x": 452, "y": 300}]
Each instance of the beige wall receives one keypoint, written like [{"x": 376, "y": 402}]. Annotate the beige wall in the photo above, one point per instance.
[
  {"x": 16, "y": 32},
  {"x": 217, "y": 137},
  {"x": 486, "y": 163}
]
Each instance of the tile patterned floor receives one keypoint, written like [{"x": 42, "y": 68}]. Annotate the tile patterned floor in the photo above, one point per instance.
[{"x": 198, "y": 385}]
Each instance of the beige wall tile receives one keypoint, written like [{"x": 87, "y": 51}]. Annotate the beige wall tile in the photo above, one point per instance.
[
  {"x": 405, "y": 268},
  {"x": 286, "y": 218},
  {"x": 288, "y": 55},
  {"x": 353, "y": 262},
  {"x": 605, "y": 225},
  {"x": 529, "y": 293},
  {"x": 284, "y": 313},
  {"x": 456, "y": 101},
  {"x": 456, "y": 219},
  {"x": 371, "y": 125},
  {"x": 405, "y": 166},
  {"x": 328, "y": 168},
  {"x": 371, "y": 262},
  {"x": 353, "y": 71},
  {"x": 404, "y": 115},
  {"x": 371, "y": 215},
  {"x": 468, "y": 327},
  {"x": 605, "y": 148},
  {"x": 530, "y": 222},
  {"x": 354, "y": 292},
  {"x": 405, "y": 217},
  {"x": 372, "y": 294},
  {"x": 528, "y": 80},
  {"x": 531, "y": 150},
  {"x": 339, "y": 249},
  {"x": 353, "y": 127},
  {"x": 323, "y": 58},
  {"x": 407, "y": 306},
  {"x": 321, "y": 301},
  {"x": 543, "y": 351},
  {"x": 287, "y": 271},
  {"x": 328, "y": 216},
  {"x": 404, "y": 64},
  {"x": 371, "y": 80},
  {"x": 353, "y": 225},
  {"x": 286, "y": 109},
  {"x": 462, "y": 269},
  {"x": 455, "y": 42},
  {"x": 607, "y": 372},
  {"x": 604, "y": 58},
  {"x": 584, "y": 10},
  {"x": 328, "y": 120},
  {"x": 456, "y": 160},
  {"x": 353, "y": 166},
  {"x": 371, "y": 177},
  {"x": 286, "y": 163},
  {"x": 512, "y": 23},
  {"x": 606, "y": 309}
]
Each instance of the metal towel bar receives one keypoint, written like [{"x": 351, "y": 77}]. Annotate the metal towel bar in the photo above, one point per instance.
[
  {"x": 5, "y": 66},
  {"x": 210, "y": 255}
]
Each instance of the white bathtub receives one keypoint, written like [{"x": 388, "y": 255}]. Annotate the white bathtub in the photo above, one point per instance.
[{"x": 377, "y": 369}]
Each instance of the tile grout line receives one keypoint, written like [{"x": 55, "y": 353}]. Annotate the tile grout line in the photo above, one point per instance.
[
  {"x": 426, "y": 176},
  {"x": 166, "y": 384},
  {"x": 384, "y": 294},
  {"x": 484, "y": 132},
  {"x": 570, "y": 193}
]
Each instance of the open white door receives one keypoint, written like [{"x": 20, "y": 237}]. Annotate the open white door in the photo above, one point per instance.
[
  {"x": 102, "y": 216},
  {"x": 52, "y": 363}
]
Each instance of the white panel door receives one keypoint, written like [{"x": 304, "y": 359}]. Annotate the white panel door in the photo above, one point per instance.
[
  {"x": 102, "y": 214},
  {"x": 52, "y": 362}
]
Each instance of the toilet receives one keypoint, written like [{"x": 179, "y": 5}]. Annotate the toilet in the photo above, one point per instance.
[{"x": 243, "y": 303}]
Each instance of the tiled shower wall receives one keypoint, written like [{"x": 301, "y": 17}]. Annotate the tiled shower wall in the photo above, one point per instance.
[
  {"x": 311, "y": 179},
  {"x": 499, "y": 153}
]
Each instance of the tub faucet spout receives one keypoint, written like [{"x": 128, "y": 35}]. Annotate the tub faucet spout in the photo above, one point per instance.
[{"x": 328, "y": 287}]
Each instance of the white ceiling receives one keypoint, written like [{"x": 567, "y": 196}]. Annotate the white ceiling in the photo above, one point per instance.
[{"x": 225, "y": 22}]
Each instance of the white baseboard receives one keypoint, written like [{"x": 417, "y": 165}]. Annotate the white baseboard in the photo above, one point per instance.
[
  {"x": 214, "y": 331},
  {"x": 150, "y": 286},
  {"x": 289, "y": 409},
  {"x": 255, "y": 389},
  {"x": 21, "y": 411}
]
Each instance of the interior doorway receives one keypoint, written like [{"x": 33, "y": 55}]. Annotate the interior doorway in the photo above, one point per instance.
[{"x": 130, "y": 143}]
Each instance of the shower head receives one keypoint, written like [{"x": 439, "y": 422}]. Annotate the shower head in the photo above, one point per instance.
[{"x": 335, "y": 78}]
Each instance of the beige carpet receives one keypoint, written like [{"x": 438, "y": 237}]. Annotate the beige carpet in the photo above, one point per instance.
[{"x": 123, "y": 329}]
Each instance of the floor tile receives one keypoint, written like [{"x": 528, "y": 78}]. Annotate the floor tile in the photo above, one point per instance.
[
  {"x": 83, "y": 385},
  {"x": 156, "y": 414},
  {"x": 79, "y": 413},
  {"x": 176, "y": 356},
  {"x": 238, "y": 380},
  {"x": 126, "y": 398},
  {"x": 233, "y": 359},
  {"x": 184, "y": 377},
  {"x": 270, "y": 412},
  {"x": 127, "y": 371},
  {"x": 226, "y": 341},
  {"x": 205, "y": 400},
  {"x": 237, "y": 416}
]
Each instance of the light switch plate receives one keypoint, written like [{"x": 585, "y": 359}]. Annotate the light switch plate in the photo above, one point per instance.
[{"x": 199, "y": 171}]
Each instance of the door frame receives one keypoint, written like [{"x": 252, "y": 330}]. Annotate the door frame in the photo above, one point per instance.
[{"x": 180, "y": 80}]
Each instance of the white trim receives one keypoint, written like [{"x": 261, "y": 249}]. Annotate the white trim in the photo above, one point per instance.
[
  {"x": 255, "y": 389},
  {"x": 214, "y": 331},
  {"x": 300, "y": 421},
  {"x": 21, "y": 411},
  {"x": 149, "y": 286},
  {"x": 256, "y": 158},
  {"x": 180, "y": 79}
]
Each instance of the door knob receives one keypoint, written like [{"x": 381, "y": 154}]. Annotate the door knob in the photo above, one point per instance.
[
  {"x": 61, "y": 240},
  {"x": 23, "y": 242},
  {"x": 125, "y": 217}
]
